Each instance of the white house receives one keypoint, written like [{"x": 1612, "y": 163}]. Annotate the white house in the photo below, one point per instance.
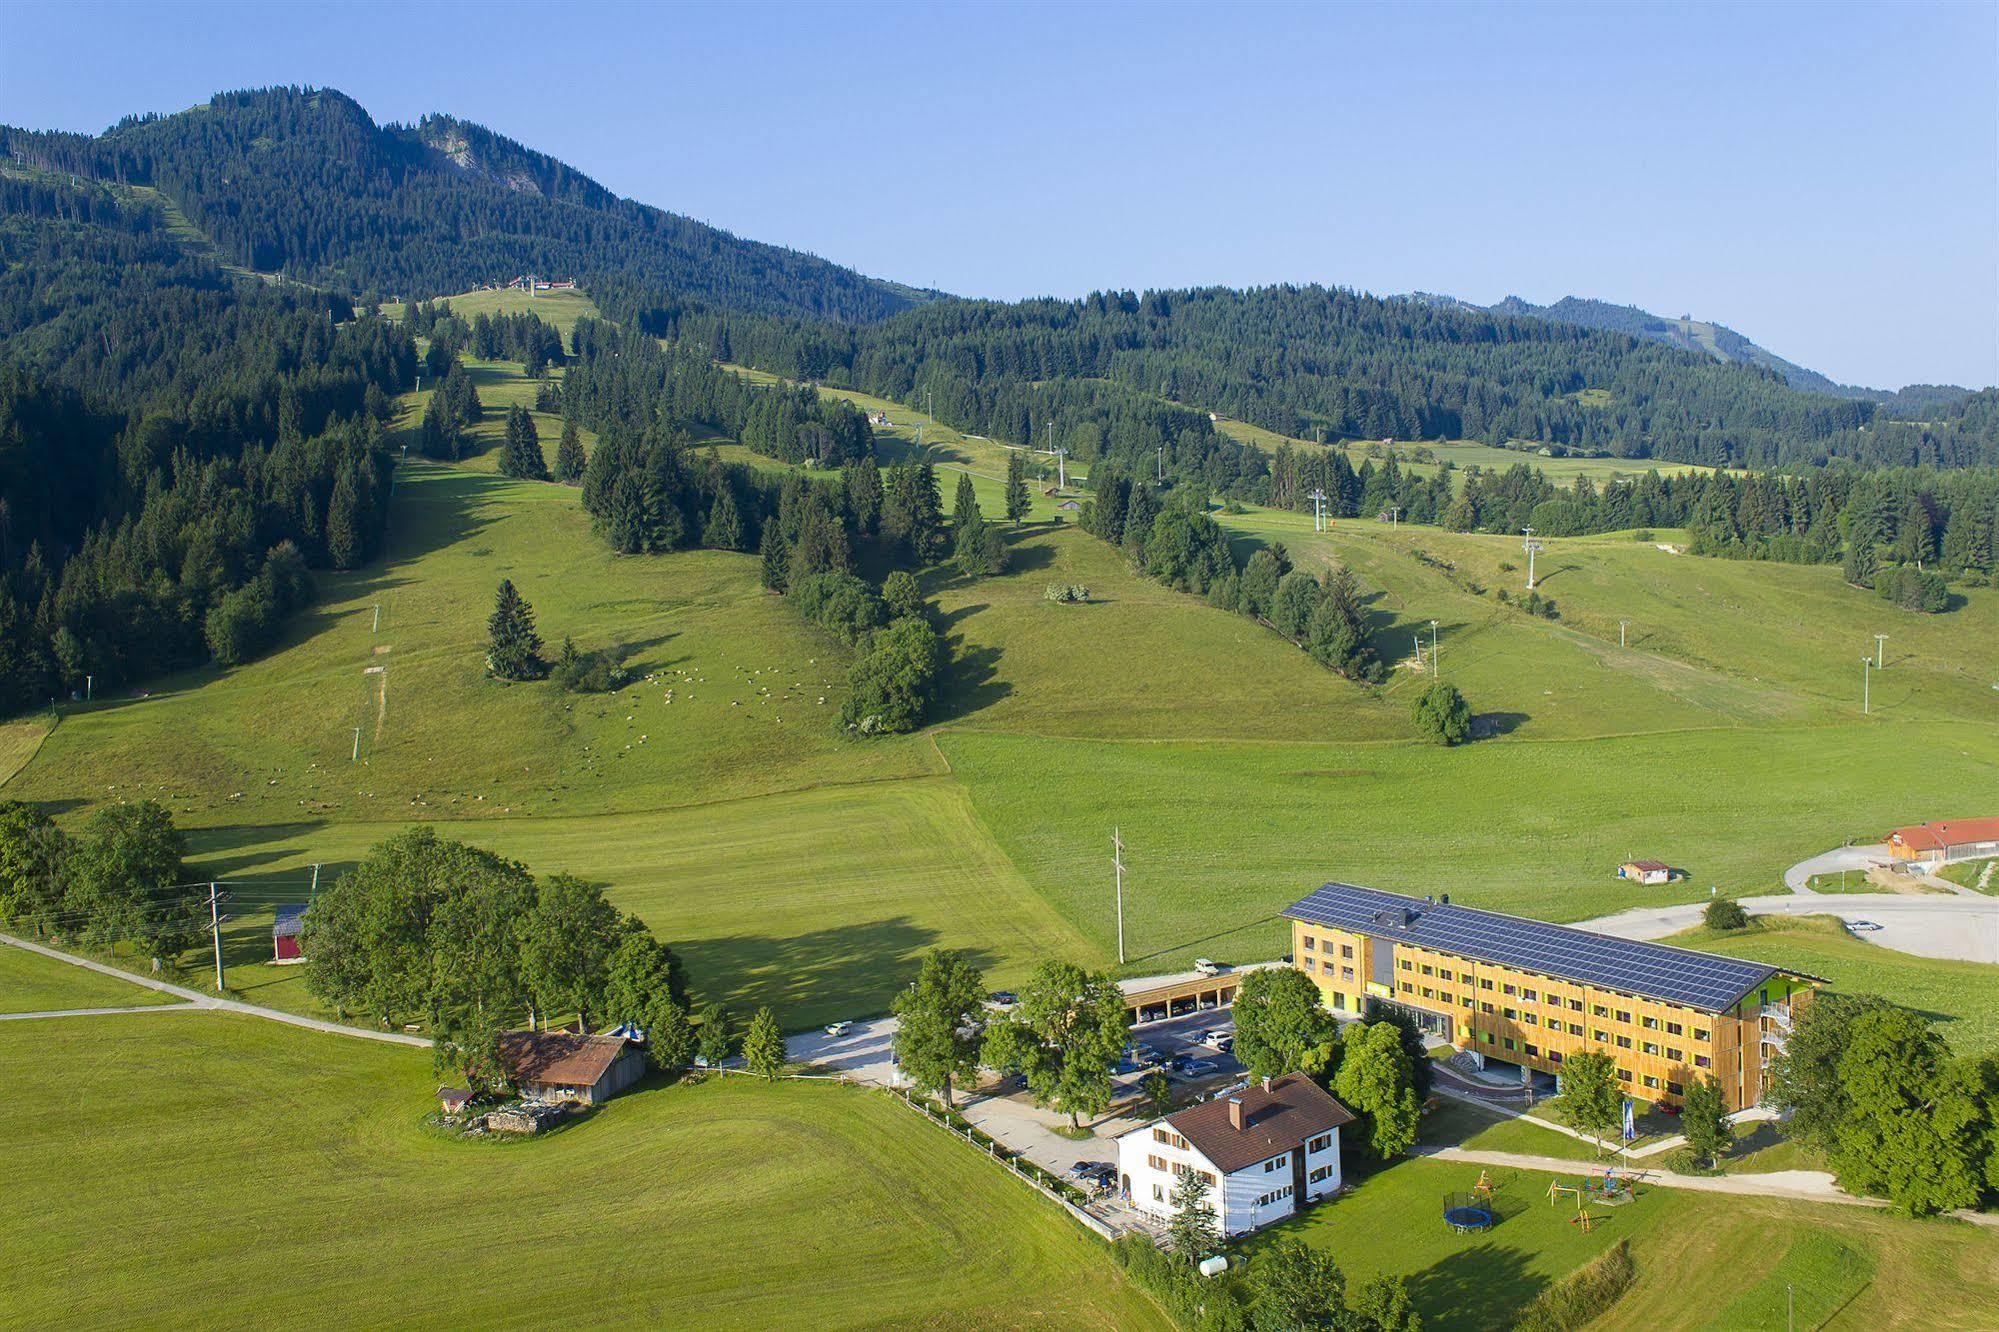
[{"x": 1260, "y": 1151}]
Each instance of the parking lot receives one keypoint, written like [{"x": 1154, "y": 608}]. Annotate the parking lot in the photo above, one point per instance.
[{"x": 1175, "y": 1037}]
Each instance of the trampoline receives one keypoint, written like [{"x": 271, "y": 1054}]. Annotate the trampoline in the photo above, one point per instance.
[{"x": 1465, "y": 1212}]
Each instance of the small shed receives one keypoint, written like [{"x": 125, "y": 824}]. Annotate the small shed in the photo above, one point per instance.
[
  {"x": 286, "y": 932},
  {"x": 1069, "y": 506},
  {"x": 453, "y": 1100},
  {"x": 1646, "y": 871},
  {"x": 568, "y": 1066}
]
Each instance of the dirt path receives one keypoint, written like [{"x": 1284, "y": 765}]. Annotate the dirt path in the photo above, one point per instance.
[{"x": 214, "y": 1003}]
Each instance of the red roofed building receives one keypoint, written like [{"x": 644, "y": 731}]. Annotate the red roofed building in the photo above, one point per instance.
[
  {"x": 1950, "y": 839},
  {"x": 1261, "y": 1151}
]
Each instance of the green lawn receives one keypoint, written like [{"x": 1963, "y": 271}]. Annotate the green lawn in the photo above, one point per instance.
[
  {"x": 1962, "y": 998},
  {"x": 1980, "y": 874},
  {"x": 1730, "y": 1250},
  {"x": 18, "y": 742},
  {"x": 31, "y": 983},
  {"x": 225, "y": 1168},
  {"x": 1464, "y": 453},
  {"x": 1221, "y": 835}
]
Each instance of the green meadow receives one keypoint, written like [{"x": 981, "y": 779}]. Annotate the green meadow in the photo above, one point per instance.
[
  {"x": 1460, "y": 453},
  {"x": 218, "y": 1163},
  {"x": 31, "y": 983}
]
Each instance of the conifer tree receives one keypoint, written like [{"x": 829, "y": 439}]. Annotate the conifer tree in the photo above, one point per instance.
[
  {"x": 569, "y": 453},
  {"x": 776, "y": 559},
  {"x": 521, "y": 456},
  {"x": 724, "y": 528},
  {"x": 343, "y": 536},
  {"x": 763, "y": 1045},
  {"x": 1016, "y": 486},
  {"x": 513, "y": 649}
]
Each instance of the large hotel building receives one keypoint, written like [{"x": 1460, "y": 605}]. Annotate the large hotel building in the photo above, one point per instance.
[{"x": 1525, "y": 992}]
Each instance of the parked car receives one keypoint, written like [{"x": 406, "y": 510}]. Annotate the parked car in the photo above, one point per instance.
[
  {"x": 1864, "y": 926},
  {"x": 1215, "y": 1036},
  {"x": 1224, "y": 1042},
  {"x": 839, "y": 1028},
  {"x": 1194, "y": 1068},
  {"x": 1145, "y": 1056},
  {"x": 1090, "y": 1169},
  {"x": 1207, "y": 966}
]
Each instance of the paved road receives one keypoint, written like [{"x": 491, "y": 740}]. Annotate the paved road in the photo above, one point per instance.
[
  {"x": 1927, "y": 925},
  {"x": 1856, "y": 858},
  {"x": 1805, "y": 1185},
  {"x": 215, "y": 1003}
]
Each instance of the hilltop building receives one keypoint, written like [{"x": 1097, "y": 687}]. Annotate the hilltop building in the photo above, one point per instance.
[
  {"x": 1525, "y": 992},
  {"x": 567, "y": 1066},
  {"x": 1262, "y": 1151}
]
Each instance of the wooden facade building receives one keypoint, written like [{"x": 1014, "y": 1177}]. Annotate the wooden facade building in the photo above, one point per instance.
[{"x": 1525, "y": 992}]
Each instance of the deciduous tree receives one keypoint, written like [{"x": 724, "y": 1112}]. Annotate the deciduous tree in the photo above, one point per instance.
[
  {"x": 937, "y": 1033},
  {"x": 1064, "y": 1037},
  {"x": 1281, "y": 1024}
]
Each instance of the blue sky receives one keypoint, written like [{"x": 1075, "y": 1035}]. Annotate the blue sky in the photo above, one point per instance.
[{"x": 1823, "y": 179}]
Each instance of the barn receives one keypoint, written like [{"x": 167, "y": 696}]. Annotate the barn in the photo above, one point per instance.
[
  {"x": 1646, "y": 871},
  {"x": 286, "y": 931},
  {"x": 569, "y": 1066}
]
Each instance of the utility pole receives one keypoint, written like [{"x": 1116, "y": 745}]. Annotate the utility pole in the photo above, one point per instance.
[
  {"x": 315, "y": 883},
  {"x": 1620, "y": 631},
  {"x": 215, "y": 932},
  {"x": 1866, "y": 679},
  {"x": 1117, "y": 863},
  {"x": 89, "y": 687},
  {"x": 378, "y": 619},
  {"x": 357, "y": 746},
  {"x": 1880, "y": 641},
  {"x": 1062, "y": 469},
  {"x": 1395, "y": 517},
  {"x": 1160, "y": 474},
  {"x": 1530, "y": 545},
  {"x": 1433, "y": 650},
  {"x": 1318, "y": 498}
]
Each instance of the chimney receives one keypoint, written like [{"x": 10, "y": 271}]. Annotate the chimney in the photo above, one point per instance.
[{"x": 1235, "y": 1113}]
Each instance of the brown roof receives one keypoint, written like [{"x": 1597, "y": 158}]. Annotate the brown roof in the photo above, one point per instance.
[
  {"x": 559, "y": 1058},
  {"x": 1275, "y": 1119},
  {"x": 1952, "y": 832},
  {"x": 1648, "y": 865}
]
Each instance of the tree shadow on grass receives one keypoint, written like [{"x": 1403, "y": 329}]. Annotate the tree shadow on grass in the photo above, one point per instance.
[
  {"x": 970, "y": 683},
  {"x": 843, "y": 971},
  {"x": 1486, "y": 725},
  {"x": 1483, "y": 1285}
]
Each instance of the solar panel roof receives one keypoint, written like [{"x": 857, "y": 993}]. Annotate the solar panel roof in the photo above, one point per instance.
[{"x": 1676, "y": 975}]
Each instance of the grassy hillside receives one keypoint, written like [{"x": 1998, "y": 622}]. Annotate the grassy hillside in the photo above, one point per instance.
[
  {"x": 30, "y": 983},
  {"x": 315, "y": 1185},
  {"x": 793, "y": 866},
  {"x": 1461, "y": 453}
]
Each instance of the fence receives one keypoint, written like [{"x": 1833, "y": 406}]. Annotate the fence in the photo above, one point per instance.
[{"x": 994, "y": 1152}]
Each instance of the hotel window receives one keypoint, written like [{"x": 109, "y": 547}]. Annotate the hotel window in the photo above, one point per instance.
[
  {"x": 1674, "y": 1053},
  {"x": 1346, "y": 950},
  {"x": 1510, "y": 1013},
  {"x": 1699, "y": 1035},
  {"x": 1675, "y": 1088},
  {"x": 1675, "y": 1029},
  {"x": 1624, "y": 1016},
  {"x": 1651, "y": 1081},
  {"x": 1508, "y": 1042},
  {"x": 1407, "y": 965},
  {"x": 1429, "y": 970},
  {"x": 1624, "y": 1075},
  {"x": 1465, "y": 976},
  {"x": 1702, "y": 1061},
  {"x": 1170, "y": 1138},
  {"x": 1531, "y": 996},
  {"x": 1599, "y": 1036},
  {"x": 1158, "y": 1193},
  {"x": 1311, "y": 944},
  {"x": 1509, "y": 989},
  {"x": 1311, "y": 964},
  {"x": 1599, "y": 1011},
  {"x": 1651, "y": 1048},
  {"x": 1275, "y": 1163},
  {"x": 1207, "y": 1177},
  {"x": 1429, "y": 993},
  {"x": 1407, "y": 988},
  {"x": 1485, "y": 985},
  {"x": 1158, "y": 1163},
  {"x": 1322, "y": 1173},
  {"x": 1533, "y": 1049},
  {"x": 1575, "y": 1005},
  {"x": 1652, "y": 1023},
  {"x": 1346, "y": 973},
  {"x": 1320, "y": 1143},
  {"x": 1624, "y": 1042},
  {"x": 1554, "y": 1056},
  {"x": 1575, "y": 1029},
  {"x": 1530, "y": 1019},
  {"x": 1469, "y": 1002}
]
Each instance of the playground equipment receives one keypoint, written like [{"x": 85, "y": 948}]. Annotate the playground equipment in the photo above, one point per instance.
[
  {"x": 1612, "y": 1190},
  {"x": 1467, "y": 1212}
]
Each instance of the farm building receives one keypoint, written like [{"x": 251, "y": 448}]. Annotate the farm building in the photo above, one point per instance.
[
  {"x": 1261, "y": 1151},
  {"x": 568, "y": 1066},
  {"x": 286, "y": 931},
  {"x": 1963, "y": 839},
  {"x": 1646, "y": 871}
]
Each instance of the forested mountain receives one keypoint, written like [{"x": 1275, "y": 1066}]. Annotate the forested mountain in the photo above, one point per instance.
[
  {"x": 177, "y": 444},
  {"x": 303, "y": 182},
  {"x": 1710, "y": 339},
  {"x": 1122, "y": 375}
]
